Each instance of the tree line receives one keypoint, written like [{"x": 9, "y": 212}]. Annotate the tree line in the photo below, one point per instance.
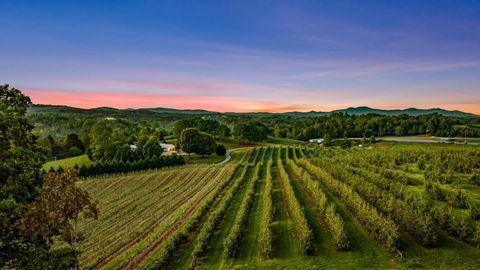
[
  {"x": 115, "y": 166},
  {"x": 339, "y": 125}
]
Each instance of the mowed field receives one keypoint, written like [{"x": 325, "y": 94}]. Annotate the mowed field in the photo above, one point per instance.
[{"x": 292, "y": 208}]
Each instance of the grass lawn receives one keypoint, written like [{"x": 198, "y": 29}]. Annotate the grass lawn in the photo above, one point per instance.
[
  {"x": 283, "y": 141},
  {"x": 233, "y": 144},
  {"x": 68, "y": 162},
  {"x": 196, "y": 159}
]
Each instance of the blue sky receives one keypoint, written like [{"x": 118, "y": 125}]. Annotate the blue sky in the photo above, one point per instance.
[{"x": 244, "y": 55}]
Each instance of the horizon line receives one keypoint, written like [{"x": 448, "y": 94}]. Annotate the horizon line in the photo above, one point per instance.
[{"x": 259, "y": 111}]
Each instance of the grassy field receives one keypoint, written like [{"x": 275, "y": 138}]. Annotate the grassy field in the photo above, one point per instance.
[
  {"x": 196, "y": 159},
  {"x": 159, "y": 219},
  {"x": 68, "y": 162}
]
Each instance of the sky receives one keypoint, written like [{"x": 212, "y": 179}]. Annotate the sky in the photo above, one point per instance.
[{"x": 245, "y": 55}]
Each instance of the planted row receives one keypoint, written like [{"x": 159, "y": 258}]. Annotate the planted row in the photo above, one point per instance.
[
  {"x": 164, "y": 253},
  {"x": 418, "y": 223},
  {"x": 265, "y": 236},
  {"x": 382, "y": 228},
  {"x": 161, "y": 210},
  {"x": 454, "y": 223},
  {"x": 233, "y": 239},
  {"x": 327, "y": 210},
  {"x": 214, "y": 219},
  {"x": 304, "y": 234}
]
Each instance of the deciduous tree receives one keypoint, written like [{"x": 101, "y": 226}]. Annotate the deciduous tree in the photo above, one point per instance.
[{"x": 21, "y": 159}]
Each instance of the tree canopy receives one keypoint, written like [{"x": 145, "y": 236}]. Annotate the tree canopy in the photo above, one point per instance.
[
  {"x": 194, "y": 141},
  {"x": 101, "y": 144},
  {"x": 252, "y": 131},
  {"x": 20, "y": 161},
  {"x": 26, "y": 236},
  {"x": 210, "y": 126}
]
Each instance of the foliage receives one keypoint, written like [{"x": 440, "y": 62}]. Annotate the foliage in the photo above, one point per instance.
[
  {"x": 194, "y": 141},
  {"x": 328, "y": 212},
  {"x": 20, "y": 161},
  {"x": 214, "y": 219},
  {"x": 188, "y": 139},
  {"x": 250, "y": 132},
  {"x": 124, "y": 153},
  {"x": 304, "y": 234},
  {"x": 164, "y": 224},
  {"x": 265, "y": 240},
  {"x": 337, "y": 125},
  {"x": 101, "y": 143},
  {"x": 162, "y": 256},
  {"x": 72, "y": 140},
  {"x": 382, "y": 228},
  {"x": 116, "y": 166},
  {"x": 221, "y": 150},
  {"x": 419, "y": 203},
  {"x": 475, "y": 179},
  {"x": 152, "y": 148},
  {"x": 233, "y": 239},
  {"x": 57, "y": 210},
  {"x": 419, "y": 224},
  {"x": 210, "y": 126}
]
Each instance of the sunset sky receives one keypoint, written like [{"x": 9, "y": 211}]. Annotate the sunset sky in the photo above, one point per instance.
[{"x": 244, "y": 55}]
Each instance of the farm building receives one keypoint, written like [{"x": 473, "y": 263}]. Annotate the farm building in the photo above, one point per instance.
[{"x": 167, "y": 147}]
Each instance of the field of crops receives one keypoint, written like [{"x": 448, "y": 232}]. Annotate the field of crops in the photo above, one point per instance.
[{"x": 293, "y": 208}]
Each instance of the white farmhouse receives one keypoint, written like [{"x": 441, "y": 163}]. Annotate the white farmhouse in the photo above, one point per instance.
[{"x": 167, "y": 147}]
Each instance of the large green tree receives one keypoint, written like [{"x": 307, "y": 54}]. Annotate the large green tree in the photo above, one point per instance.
[
  {"x": 194, "y": 141},
  {"x": 21, "y": 159},
  {"x": 152, "y": 147},
  {"x": 206, "y": 145},
  {"x": 101, "y": 143},
  {"x": 56, "y": 212},
  {"x": 33, "y": 209},
  {"x": 72, "y": 140},
  {"x": 251, "y": 131},
  {"x": 210, "y": 126},
  {"x": 189, "y": 138}
]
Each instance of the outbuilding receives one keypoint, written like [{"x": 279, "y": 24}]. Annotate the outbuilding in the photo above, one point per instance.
[{"x": 167, "y": 147}]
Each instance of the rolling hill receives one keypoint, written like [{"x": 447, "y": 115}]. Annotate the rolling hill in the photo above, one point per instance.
[{"x": 46, "y": 109}]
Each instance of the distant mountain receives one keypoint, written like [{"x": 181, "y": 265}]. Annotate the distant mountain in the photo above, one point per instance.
[
  {"x": 151, "y": 112},
  {"x": 409, "y": 111},
  {"x": 169, "y": 110}
]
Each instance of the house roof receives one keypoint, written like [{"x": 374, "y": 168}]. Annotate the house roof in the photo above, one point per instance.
[{"x": 166, "y": 145}]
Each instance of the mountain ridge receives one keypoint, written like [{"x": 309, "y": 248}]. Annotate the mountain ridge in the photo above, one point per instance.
[{"x": 361, "y": 110}]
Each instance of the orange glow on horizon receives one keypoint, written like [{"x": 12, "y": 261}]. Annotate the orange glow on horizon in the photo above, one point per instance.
[{"x": 88, "y": 100}]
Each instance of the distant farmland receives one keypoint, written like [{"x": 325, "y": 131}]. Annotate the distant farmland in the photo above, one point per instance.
[{"x": 293, "y": 208}]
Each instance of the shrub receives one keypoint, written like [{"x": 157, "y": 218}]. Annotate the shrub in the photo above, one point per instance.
[
  {"x": 221, "y": 150},
  {"x": 116, "y": 166},
  {"x": 475, "y": 179},
  {"x": 74, "y": 151}
]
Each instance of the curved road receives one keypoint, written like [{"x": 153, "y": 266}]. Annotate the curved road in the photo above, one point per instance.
[{"x": 227, "y": 157}]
